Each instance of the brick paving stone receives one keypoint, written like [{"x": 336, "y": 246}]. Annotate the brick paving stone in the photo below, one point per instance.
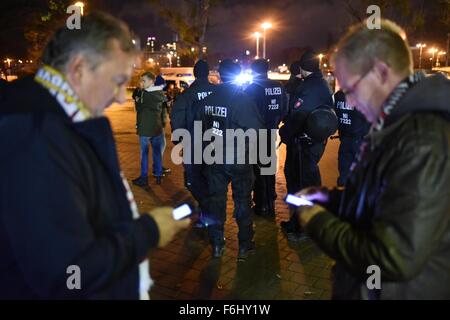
[{"x": 184, "y": 268}]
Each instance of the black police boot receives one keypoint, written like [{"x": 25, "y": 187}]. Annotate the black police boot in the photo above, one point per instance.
[
  {"x": 218, "y": 250},
  {"x": 245, "y": 250},
  {"x": 166, "y": 170},
  {"x": 141, "y": 181}
]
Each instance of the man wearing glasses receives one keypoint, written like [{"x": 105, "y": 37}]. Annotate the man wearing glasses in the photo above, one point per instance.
[{"x": 394, "y": 213}]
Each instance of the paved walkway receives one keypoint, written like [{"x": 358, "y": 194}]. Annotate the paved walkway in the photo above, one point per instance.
[{"x": 185, "y": 270}]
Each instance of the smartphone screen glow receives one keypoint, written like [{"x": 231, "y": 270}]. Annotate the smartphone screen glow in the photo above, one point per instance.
[
  {"x": 298, "y": 201},
  {"x": 181, "y": 212}
]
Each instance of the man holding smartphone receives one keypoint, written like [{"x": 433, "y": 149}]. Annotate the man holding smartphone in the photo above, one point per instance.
[
  {"x": 64, "y": 203},
  {"x": 394, "y": 211}
]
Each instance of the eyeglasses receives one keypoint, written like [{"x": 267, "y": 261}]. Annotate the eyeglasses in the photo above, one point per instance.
[{"x": 353, "y": 88}]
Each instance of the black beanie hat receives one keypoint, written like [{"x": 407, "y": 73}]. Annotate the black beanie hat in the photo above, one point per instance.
[
  {"x": 309, "y": 61},
  {"x": 260, "y": 66},
  {"x": 201, "y": 69}
]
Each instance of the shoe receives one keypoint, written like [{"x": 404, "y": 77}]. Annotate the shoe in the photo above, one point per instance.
[
  {"x": 167, "y": 170},
  {"x": 287, "y": 226},
  {"x": 297, "y": 236},
  {"x": 164, "y": 172},
  {"x": 198, "y": 225},
  {"x": 218, "y": 250},
  {"x": 246, "y": 250},
  {"x": 141, "y": 181},
  {"x": 158, "y": 179}
]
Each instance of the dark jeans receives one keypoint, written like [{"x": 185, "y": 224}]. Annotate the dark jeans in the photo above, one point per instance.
[
  {"x": 348, "y": 149},
  {"x": 241, "y": 178},
  {"x": 156, "y": 142}
]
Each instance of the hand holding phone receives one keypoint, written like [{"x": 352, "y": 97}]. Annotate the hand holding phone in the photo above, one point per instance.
[
  {"x": 298, "y": 201},
  {"x": 181, "y": 212}
]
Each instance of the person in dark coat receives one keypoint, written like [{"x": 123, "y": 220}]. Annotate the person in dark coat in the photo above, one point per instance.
[
  {"x": 227, "y": 109},
  {"x": 183, "y": 117},
  {"x": 353, "y": 127},
  {"x": 69, "y": 225},
  {"x": 270, "y": 99},
  {"x": 151, "y": 117},
  {"x": 389, "y": 229},
  {"x": 303, "y": 153}
]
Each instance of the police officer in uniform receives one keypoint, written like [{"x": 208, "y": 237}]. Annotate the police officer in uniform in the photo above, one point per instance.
[
  {"x": 229, "y": 108},
  {"x": 301, "y": 168},
  {"x": 353, "y": 126},
  {"x": 182, "y": 117},
  {"x": 270, "y": 98}
]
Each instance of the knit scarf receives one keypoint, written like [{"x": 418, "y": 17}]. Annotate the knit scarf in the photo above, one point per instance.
[{"x": 395, "y": 97}]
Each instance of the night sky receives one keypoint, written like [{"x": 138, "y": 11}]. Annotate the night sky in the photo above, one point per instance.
[{"x": 297, "y": 23}]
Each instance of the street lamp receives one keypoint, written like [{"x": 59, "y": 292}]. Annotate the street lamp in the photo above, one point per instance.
[
  {"x": 81, "y": 5},
  {"x": 320, "y": 60},
  {"x": 257, "y": 35},
  {"x": 8, "y": 61},
  {"x": 420, "y": 46},
  {"x": 432, "y": 51},
  {"x": 265, "y": 26},
  {"x": 438, "y": 60}
]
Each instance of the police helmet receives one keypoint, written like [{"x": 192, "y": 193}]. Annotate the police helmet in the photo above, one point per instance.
[{"x": 321, "y": 123}]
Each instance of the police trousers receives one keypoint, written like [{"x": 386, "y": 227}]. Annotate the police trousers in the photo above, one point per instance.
[
  {"x": 301, "y": 167},
  {"x": 241, "y": 179}
]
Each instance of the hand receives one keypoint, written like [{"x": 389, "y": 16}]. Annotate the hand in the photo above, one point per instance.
[
  {"x": 167, "y": 225},
  {"x": 314, "y": 193},
  {"x": 306, "y": 213}
]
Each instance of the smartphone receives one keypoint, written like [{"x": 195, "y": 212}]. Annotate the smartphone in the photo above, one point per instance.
[
  {"x": 181, "y": 212},
  {"x": 298, "y": 201}
]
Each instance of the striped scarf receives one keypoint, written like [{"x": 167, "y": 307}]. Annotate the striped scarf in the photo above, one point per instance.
[{"x": 395, "y": 97}]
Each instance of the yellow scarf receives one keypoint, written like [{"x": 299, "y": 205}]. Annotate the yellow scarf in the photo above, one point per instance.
[{"x": 57, "y": 85}]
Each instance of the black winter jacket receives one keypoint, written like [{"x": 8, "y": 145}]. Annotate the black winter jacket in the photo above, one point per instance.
[
  {"x": 395, "y": 209},
  {"x": 63, "y": 203}
]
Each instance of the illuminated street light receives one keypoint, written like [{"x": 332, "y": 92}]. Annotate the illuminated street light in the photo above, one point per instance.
[
  {"x": 420, "y": 46},
  {"x": 257, "y": 35},
  {"x": 320, "y": 60},
  {"x": 433, "y": 52},
  {"x": 438, "y": 60},
  {"x": 8, "y": 61},
  {"x": 265, "y": 26},
  {"x": 81, "y": 5}
]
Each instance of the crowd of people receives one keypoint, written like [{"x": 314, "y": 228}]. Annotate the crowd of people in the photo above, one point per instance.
[{"x": 65, "y": 202}]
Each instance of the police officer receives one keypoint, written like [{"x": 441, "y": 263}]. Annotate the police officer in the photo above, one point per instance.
[
  {"x": 270, "y": 98},
  {"x": 301, "y": 168},
  {"x": 353, "y": 126},
  {"x": 182, "y": 117},
  {"x": 229, "y": 108},
  {"x": 292, "y": 84}
]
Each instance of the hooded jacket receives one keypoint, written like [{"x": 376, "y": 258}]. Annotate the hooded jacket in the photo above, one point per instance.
[
  {"x": 395, "y": 210},
  {"x": 151, "y": 111}
]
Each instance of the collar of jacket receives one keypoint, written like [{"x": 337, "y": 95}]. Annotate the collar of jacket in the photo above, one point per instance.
[
  {"x": 155, "y": 88},
  {"x": 431, "y": 94}
]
